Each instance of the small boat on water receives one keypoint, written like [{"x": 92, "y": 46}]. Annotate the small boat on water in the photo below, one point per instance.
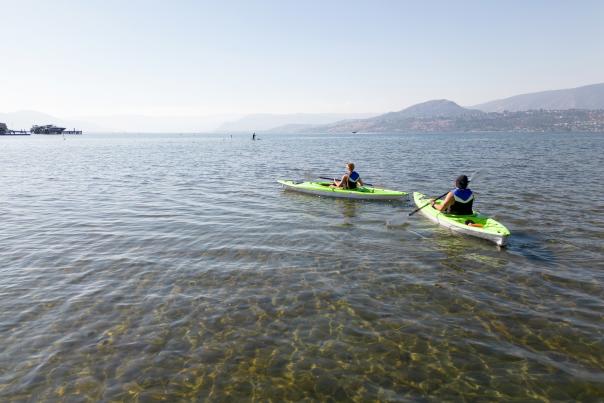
[
  {"x": 476, "y": 224},
  {"x": 323, "y": 188},
  {"x": 52, "y": 129},
  {"x": 47, "y": 129}
]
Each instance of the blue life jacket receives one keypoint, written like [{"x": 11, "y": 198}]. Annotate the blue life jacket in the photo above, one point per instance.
[
  {"x": 353, "y": 177},
  {"x": 463, "y": 200}
]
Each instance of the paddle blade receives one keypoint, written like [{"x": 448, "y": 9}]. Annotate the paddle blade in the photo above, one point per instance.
[
  {"x": 475, "y": 175},
  {"x": 308, "y": 175},
  {"x": 397, "y": 220}
]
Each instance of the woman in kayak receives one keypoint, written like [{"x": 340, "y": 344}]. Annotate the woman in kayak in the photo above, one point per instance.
[
  {"x": 459, "y": 200},
  {"x": 349, "y": 180}
]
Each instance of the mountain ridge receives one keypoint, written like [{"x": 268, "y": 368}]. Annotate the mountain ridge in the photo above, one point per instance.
[
  {"x": 433, "y": 115},
  {"x": 584, "y": 97},
  {"x": 439, "y": 108},
  {"x": 433, "y": 108},
  {"x": 442, "y": 116},
  {"x": 445, "y": 115}
]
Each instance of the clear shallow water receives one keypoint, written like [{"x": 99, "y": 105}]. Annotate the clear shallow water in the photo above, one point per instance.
[{"x": 175, "y": 267}]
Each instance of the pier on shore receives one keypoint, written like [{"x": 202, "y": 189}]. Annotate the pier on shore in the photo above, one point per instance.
[{"x": 46, "y": 129}]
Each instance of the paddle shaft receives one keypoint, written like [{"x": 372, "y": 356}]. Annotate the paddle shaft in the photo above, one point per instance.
[
  {"x": 474, "y": 175},
  {"x": 427, "y": 204}
]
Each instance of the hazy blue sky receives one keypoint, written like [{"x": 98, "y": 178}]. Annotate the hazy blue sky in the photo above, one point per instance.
[{"x": 72, "y": 58}]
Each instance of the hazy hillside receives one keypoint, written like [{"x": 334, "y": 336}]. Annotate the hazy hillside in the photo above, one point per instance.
[
  {"x": 266, "y": 121},
  {"x": 447, "y": 117},
  {"x": 396, "y": 121},
  {"x": 437, "y": 107},
  {"x": 587, "y": 97},
  {"x": 435, "y": 115}
]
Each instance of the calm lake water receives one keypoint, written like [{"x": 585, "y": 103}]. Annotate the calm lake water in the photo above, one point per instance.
[{"x": 149, "y": 267}]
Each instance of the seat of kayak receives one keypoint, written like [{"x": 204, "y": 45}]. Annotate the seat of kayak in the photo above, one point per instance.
[
  {"x": 453, "y": 215},
  {"x": 357, "y": 189}
]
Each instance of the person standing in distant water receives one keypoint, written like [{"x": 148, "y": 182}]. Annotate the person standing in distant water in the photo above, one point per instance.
[
  {"x": 254, "y": 136},
  {"x": 459, "y": 200},
  {"x": 349, "y": 180}
]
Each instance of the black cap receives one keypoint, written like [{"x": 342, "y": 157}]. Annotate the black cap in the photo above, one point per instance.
[{"x": 462, "y": 182}]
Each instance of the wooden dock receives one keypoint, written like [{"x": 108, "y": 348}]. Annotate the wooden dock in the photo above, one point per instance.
[
  {"x": 45, "y": 130},
  {"x": 28, "y": 133},
  {"x": 15, "y": 133}
]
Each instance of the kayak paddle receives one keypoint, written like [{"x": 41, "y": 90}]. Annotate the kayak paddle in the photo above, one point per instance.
[{"x": 430, "y": 202}]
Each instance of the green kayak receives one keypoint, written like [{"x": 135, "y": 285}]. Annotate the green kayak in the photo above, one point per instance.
[
  {"x": 323, "y": 189},
  {"x": 487, "y": 228}
]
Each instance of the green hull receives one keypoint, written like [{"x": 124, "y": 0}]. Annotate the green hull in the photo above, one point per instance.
[
  {"x": 323, "y": 189},
  {"x": 492, "y": 230}
]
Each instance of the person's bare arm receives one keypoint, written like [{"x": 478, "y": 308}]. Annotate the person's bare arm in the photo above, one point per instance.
[
  {"x": 360, "y": 182},
  {"x": 445, "y": 204}
]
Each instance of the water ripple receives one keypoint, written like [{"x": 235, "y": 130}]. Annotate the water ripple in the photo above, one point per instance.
[{"x": 167, "y": 267}]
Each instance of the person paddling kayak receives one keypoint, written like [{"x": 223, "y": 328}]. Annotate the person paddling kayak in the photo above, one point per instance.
[
  {"x": 459, "y": 200},
  {"x": 350, "y": 180}
]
